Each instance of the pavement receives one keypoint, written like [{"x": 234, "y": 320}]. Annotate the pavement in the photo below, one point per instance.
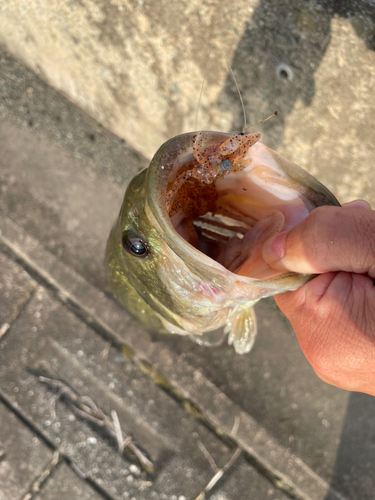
[{"x": 91, "y": 405}]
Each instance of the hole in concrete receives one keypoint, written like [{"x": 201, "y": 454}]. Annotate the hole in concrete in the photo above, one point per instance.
[{"x": 284, "y": 72}]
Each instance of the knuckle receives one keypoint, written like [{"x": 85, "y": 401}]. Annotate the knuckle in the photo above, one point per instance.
[
  {"x": 311, "y": 231},
  {"x": 365, "y": 238},
  {"x": 319, "y": 228}
]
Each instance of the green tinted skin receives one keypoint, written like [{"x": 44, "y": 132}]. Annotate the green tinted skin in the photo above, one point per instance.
[{"x": 127, "y": 273}]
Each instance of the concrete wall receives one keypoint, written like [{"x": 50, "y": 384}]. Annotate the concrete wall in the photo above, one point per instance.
[{"x": 137, "y": 67}]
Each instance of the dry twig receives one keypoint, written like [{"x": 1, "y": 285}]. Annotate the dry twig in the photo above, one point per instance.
[
  {"x": 86, "y": 408},
  {"x": 36, "y": 485},
  {"x": 105, "y": 351},
  {"x": 218, "y": 472}
]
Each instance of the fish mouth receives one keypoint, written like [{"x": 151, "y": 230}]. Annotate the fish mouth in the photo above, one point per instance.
[
  {"x": 223, "y": 240},
  {"x": 230, "y": 220}
]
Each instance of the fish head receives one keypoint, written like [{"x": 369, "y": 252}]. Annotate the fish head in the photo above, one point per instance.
[
  {"x": 148, "y": 262},
  {"x": 196, "y": 273}
]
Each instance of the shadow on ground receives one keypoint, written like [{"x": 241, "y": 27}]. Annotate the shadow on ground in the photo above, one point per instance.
[
  {"x": 282, "y": 47},
  {"x": 356, "y": 453}
]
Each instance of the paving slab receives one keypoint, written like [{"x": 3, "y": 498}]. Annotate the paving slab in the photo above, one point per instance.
[
  {"x": 241, "y": 483},
  {"x": 278, "y": 388},
  {"x": 16, "y": 287},
  {"x": 47, "y": 334},
  {"x": 64, "y": 483},
  {"x": 23, "y": 456},
  {"x": 170, "y": 372}
]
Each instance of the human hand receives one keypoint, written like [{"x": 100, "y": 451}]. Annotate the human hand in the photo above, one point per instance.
[{"x": 333, "y": 315}]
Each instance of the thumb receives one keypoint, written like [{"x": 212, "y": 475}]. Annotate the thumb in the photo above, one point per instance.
[{"x": 328, "y": 239}]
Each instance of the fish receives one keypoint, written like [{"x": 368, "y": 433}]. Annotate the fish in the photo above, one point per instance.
[{"x": 185, "y": 253}]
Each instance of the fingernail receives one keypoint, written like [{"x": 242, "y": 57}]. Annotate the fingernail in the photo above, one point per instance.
[{"x": 274, "y": 248}]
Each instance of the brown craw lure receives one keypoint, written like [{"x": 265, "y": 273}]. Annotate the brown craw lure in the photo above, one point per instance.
[{"x": 192, "y": 191}]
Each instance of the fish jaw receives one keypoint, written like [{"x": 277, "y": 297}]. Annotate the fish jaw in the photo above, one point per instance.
[{"x": 163, "y": 291}]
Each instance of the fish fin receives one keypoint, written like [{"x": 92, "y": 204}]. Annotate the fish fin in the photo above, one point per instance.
[
  {"x": 209, "y": 339},
  {"x": 242, "y": 330}
]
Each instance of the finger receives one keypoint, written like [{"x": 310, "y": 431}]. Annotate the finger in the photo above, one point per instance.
[
  {"x": 332, "y": 317},
  {"x": 357, "y": 204},
  {"x": 329, "y": 239}
]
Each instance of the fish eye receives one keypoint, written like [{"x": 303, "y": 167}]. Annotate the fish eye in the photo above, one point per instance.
[{"x": 134, "y": 246}]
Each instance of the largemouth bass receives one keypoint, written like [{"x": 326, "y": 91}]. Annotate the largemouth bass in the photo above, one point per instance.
[{"x": 184, "y": 255}]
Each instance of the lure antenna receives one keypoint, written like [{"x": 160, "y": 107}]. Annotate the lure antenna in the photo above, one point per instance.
[
  {"x": 255, "y": 124},
  {"x": 234, "y": 79},
  {"x": 235, "y": 82},
  {"x": 201, "y": 91}
]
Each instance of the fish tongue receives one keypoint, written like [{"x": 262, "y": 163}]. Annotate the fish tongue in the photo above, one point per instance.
[{"x": 250, "y": 262}]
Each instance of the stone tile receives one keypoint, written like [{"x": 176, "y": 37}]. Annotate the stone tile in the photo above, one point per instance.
[
  {"x": 275, "y": 384},
  {"x": 190, "y": 378},
  {"x": 16, "y": 287},
  {"x": 23, "y": 458},
  {"x": 48, "y": 333},
  {"x": 65, "y": 484},
  {"x": 244, "y": 482}
]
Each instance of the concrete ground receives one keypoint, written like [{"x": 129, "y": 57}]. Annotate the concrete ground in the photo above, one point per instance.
[{"x": 78, "y": 376}]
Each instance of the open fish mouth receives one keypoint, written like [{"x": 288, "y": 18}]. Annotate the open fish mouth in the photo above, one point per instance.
[
  {"x": 230, "y": 218},
  {"x": 185, "y": 254}
]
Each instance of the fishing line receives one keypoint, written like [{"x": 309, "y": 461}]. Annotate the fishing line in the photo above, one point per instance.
[
  {"x": 201, "y": 92},
  {"x": 234, "y": 79}
]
